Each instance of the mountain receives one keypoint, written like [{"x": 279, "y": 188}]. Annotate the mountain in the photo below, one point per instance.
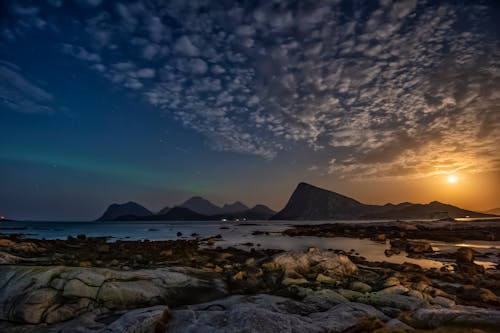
[
  {"x": 202, "y": 206},
  {"x": 235, "y": 207},
  {"x": 259, "y": 212},
  {"x": 173, "y": 214},
  {"x": 163, "y": 211},
  {"x": 180, "y": 213},
  {"x": 494, "y": 211},
  {"x": 130, "y": 208},
  {"x": 309, "y": 202}
]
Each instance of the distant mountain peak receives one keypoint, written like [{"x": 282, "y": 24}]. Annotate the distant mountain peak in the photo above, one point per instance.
[
  {"x": 129, "y": 208},
  {"x": 235, "y": 207},
  {"x": 201, "y": 206}
]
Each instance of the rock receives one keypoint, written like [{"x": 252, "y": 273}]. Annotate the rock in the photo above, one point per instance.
[
  {"x": 465, "y": 261},
  {"x": 141, "y": 321},
  {"x": 459, "y": 316},
  {"x": 166, "y": 253},
  {"x": 7, "y": 258},
  {"x": 471, "y": 293},
  {"x": 351, "y": 295},
  {"x": 6, "y": 242},
  {"x": 443, "y": 301},
  {"x": 411, "y": 246},
  {"x": 269, "y": 314},
  {"x": 465, "y": 255},
  {"x": 297, "y": 264},
  {"x": 360, "y": 286},
  {"x": 85, "y": 263},
  {"x": 104, "y": 248},
  {"x": 324, "y": 279},
  {"x": 239, "y": 276},
  {"x": 323, "y": 296},
  {"x": 395, "y": 325},
  {"x": 385, "y": 299},
  {"x": 250, "y": 262},
  {"x": 287, "y": 281},
  {"x": 380, "y": 238},
  {"x": 391, "y": 281},
  {"x": 34, "y": 295},
  {"x": 27, "y": 248},
  {"x": 418, "y": 247}
]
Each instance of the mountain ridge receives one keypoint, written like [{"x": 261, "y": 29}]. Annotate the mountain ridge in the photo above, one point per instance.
[{"x": 309, "y": 202}]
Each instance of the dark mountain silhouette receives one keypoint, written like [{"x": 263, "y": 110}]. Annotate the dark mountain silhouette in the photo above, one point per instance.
[
  {"x": 309, "y": 202},
  {"x": 202, "y": 206},
  {"x": 235, "y": 207},
  {"x": 494, "y": 211},
  {"x": 173, "y": 214},
  {"x": 164, "y": 210},
  {"x": 129, "y": 208},
  {"x": 259, "y": 212}
]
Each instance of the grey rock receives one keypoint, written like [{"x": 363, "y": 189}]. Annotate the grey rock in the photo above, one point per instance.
[
  {"x": 268, "y": 314},
  {"x": 50, "y": 294},
  {"x": 459, "y": 316}
]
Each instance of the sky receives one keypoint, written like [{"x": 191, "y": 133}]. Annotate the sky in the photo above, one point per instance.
[{"x": 156, "y": 101}]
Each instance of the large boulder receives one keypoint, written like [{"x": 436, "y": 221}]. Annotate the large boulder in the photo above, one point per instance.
[
  {"x": 321, "y": 266},
  {"x": 269, "y": 314},
  {"x": 459, "y": 316},
  {"x": 50, "y": 294}
]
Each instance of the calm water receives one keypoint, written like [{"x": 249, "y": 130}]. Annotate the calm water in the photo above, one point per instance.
[{"x": 237, "y": 234}]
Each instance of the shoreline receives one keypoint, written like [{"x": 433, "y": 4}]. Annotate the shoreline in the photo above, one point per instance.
[{"x": 381, "y": 294}]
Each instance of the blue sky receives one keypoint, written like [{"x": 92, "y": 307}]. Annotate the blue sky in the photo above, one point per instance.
[{"x": 154, "y": 101}]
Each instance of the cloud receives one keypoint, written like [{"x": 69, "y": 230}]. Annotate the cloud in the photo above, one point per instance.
[
  {"x": 186, "y": 47},
  {"x": 385, "y": 89},
  {"x": 19, "y": 94}
]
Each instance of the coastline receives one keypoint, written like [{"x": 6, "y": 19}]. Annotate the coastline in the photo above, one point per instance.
[{"x": 388, "y": 297}]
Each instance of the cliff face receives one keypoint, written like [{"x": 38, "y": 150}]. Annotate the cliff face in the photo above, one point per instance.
[{"x": 314, "y": 203}]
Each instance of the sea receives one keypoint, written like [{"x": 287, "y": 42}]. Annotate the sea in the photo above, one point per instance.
[{"x": 240, "y": 234}]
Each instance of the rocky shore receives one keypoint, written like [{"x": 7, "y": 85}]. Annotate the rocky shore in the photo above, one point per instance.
[{"x": 90, "y": 285}]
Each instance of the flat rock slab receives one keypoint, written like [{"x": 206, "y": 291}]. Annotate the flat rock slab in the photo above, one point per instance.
[
  {"x": 459, "y": 316},
  {"x": 268, "y": 314},
  {"x": 51, "y": 294}
]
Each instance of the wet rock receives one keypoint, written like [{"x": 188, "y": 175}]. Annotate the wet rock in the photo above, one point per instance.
[
  {"x": 380, "y": 238},
  {"x": 411, "y": 246},
  {"x": 465, "y": 261},
  {"x": 465, "y": 255},
  {"x": 33, "y": 294}
]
